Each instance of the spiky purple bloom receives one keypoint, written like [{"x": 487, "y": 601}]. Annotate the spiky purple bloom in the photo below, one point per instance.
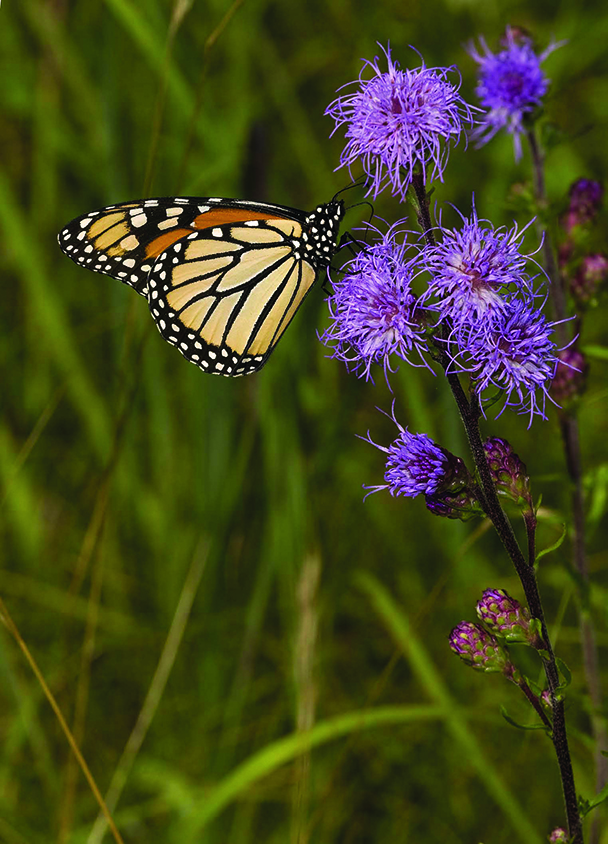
[
  {"x": 375, "y": 314},
  {"x": 570, "y": 380},
  {"x": 476, "y": 270},
  {"x": 415, "y": 464},
  {"x": 516, "y": 353},
  {"x": 504, "y": 616},
  {"x": 399, "y": 119},
  {"x": 478, "y": 648},
  {"x": 511, "y": 86},
  {"x": 508, "y": 471}
]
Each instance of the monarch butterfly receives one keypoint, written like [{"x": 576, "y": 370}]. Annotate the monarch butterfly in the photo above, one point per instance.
[{"x": 223, "y": 277}]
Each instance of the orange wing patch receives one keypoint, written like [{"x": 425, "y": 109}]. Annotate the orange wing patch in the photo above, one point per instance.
[
  {"x": 164, "y": 241},
  {"x": 229, "y": 216}
]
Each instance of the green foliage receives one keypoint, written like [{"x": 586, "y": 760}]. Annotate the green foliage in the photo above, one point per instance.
[{"x": 294, "y": 700}]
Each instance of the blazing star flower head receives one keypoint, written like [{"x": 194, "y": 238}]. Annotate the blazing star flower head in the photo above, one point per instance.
[
  {"x": 414, "y": 465},
  {"x": 511, "y": 85},
  {"x": 475, "y": 271},
  {"x": 399, "y": 119},
  {"x": 516, "y": 353},
  {"x": 374, "y": 312}
]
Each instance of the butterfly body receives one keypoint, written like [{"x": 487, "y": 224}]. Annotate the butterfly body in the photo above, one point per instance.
[{"x": 223, "y": 277}]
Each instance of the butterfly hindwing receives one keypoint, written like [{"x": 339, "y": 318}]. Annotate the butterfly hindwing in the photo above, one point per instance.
[
  {"x": 223, "y": 277},
  {"x": 225, "y": 296}
]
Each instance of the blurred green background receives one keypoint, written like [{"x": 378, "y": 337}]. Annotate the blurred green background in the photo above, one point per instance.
[{"x": 149, "y": 510}]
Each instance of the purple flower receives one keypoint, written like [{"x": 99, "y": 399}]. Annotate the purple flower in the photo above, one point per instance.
[
  {"x": 476, "y": 270},
  {"x": 399, "y": 119},
  {"x": 479, "y": 649},
  {"x": 511, "y": 85},
  {"x": 374, "y": 312},
  {"x": 515, "y": 353},
  {"x": 414, "y": 465},
  {"x": 558, "y": 836}
]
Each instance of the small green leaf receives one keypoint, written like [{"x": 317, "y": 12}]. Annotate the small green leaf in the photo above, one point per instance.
[
  {"x": 596, "y": 486},
  {"x": 587, "y": 805},
  {"x": 553, "y": 547},
  {"x": 538, "y": 690},
  {"x": 518, "y": 726},
  {"x": 599, "y": 352},
  {"x": 565, "y": 672}
]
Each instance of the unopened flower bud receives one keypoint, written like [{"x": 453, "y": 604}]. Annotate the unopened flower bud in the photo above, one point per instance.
[
  {"x": 463, "y": 505},
  {"x": 564, "y": 254},
  {"x": 558, "y": 836},
  {"x": 508, "y": 471},
  {"x": 570, "y": 378},
  {"x": 479, "y": 649},
  {"x": 589, "y": 278},
  {"x": 518, "y": 35},
  {"x": 585, "y": 201},
  {"x": 504, "y": 616}
]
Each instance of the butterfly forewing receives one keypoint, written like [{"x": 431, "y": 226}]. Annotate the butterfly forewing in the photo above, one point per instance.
[{"x": 223, "y": 278}]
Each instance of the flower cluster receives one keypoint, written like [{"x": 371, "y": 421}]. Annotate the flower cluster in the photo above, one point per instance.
[
  {"x": 482, "y": 291},
  {"x": 511, "y": 86},
  {"x": 503, "y": 620},
  {"x": 479, "y": 308},
  {"x": 399, "y": 120}
]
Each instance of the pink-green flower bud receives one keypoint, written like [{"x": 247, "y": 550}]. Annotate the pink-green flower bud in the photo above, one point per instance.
[
  {"x": 460, "y": 504},
  {"x": 479, "y": 649},
  {"x": 504, "y": 616},
  {"x": 570, "y": 380},
  {"x": 585, "y": 201},
  {"x": 589, "y": 278},
  {"x": 558, "y": 836},
  {"x": 508, "y": 471}
]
